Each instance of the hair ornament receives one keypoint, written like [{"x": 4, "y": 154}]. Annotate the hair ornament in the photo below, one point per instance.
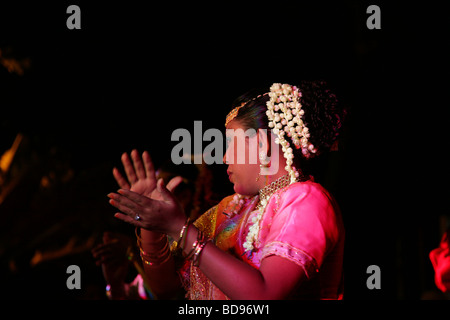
[{"x": 284, "y": 111}]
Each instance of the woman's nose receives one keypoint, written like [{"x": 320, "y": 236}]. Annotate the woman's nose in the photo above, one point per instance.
[{"x": 224, "y": 159}]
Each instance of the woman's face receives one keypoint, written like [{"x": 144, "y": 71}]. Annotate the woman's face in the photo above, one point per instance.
[{"x": 242, "y": 159}]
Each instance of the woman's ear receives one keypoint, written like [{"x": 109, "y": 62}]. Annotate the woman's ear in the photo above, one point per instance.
[
  {"x": 270, "y": 152},
  {"x": 263, "y": 146}
]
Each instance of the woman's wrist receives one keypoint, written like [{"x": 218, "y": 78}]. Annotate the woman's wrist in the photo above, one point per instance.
[
  {"x": 147, "y": 236},
  {"x": 177, "y": 228},
  {"x": 152, "y": 237},
  {"x": 156, "y": 250},
  {"x": 192, "y": 244}
]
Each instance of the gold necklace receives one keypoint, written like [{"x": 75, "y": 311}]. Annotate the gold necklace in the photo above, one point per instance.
[{"x": 267, "y": 191}]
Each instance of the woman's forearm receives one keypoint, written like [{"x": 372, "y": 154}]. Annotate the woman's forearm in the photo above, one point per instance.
[
  {"x": 233, "y": 277},
  {"x": 162, "y": 278},
  {"x": 275, "y": 278}
]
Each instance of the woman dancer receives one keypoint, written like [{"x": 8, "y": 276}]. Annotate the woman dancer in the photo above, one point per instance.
[{"x": 280, "y": 236}]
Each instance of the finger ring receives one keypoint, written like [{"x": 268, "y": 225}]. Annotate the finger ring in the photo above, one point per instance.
[{"x": 137, "y": 217}]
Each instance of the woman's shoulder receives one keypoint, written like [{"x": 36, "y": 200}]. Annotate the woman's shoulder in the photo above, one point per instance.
[
  {"x": 211, "y": 211},
  {"x": 312, "y": 205},
  {"x": 309, "y": 197},
  {"x": 227, "y": 199},
  {"x": 223, "y": 203},
  {"x": 306, "y": 190}
]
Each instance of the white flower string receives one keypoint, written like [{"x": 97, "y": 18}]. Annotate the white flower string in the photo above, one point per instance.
[
  {"x": 235, "y": 205},
  {"x": 284, "y": 112},
  {"x": 264, "y": 196}
]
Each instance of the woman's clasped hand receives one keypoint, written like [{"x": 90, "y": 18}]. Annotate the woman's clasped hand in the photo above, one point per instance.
[{"x": 143, "y": 200}]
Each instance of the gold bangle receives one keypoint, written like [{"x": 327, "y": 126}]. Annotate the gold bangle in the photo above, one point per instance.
[
  {"x": 189, "y": 255},
  {"x": 198, "y": 250},
  {"x": 155, "y": 259},
  {"x": 183, "y": 233},
  {"x": 157, "y": 254},
  {"x": 139, "y": 238},
  {"x": 155, "y": 263},
  {"x": 200, "y": 239}
]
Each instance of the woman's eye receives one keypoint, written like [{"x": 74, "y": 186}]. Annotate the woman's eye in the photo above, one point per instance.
[{"x": 227, "y": 141}]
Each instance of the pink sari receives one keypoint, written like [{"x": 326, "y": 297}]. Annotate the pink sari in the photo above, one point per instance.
[{"x": 301, "y": 223}]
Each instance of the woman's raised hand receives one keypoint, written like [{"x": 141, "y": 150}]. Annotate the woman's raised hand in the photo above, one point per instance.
[
  {"x": 143, "y": 200},
  {"x": 164, "y": 216},
  {"x": 141, "y": 176}
]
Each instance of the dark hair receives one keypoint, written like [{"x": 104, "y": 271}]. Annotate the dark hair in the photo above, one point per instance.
[{"x": 323, "y": 115}]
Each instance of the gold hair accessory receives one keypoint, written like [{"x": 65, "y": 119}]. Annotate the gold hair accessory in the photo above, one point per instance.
[{"x": 233, "y": 113}]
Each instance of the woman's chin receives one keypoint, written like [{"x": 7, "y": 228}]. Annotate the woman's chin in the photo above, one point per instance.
[{"x": 243, "y": 191}]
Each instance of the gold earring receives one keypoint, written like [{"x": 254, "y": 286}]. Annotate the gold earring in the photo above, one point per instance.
[{"x": 262, "y": 158}]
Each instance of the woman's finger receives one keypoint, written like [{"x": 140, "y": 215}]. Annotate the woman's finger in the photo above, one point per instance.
[
  {"x": 129, "y": 169},
  {"x": 148, "y": 164},
  {"x": 138, "y": 166},
  {"x": 165, "y": 193},
  {"x": 123, "y": 204},
  {"x": 134, "y": 197},
  {"x": 128, "y": 219},
  {"x": 174, "y": 182},
  {"x": 121, "y": 181}
]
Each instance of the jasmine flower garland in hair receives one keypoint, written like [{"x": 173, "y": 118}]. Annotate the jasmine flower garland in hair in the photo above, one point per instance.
[{"x": 284, "y": 112}]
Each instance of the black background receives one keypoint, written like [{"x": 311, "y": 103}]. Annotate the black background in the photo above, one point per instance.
[{"x": 135, "y": 72}]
